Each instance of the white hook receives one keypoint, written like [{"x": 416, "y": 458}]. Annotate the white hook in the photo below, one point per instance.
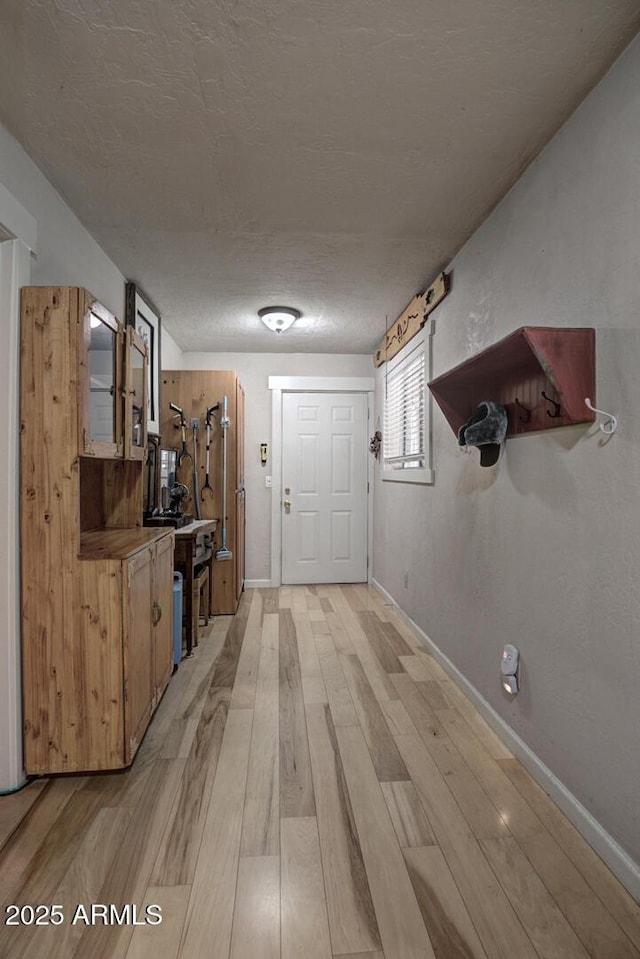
[{"x": 612, "y": 423}]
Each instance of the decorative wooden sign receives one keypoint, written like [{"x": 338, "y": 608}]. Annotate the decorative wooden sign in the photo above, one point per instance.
[{"x": 412, "y": 319}]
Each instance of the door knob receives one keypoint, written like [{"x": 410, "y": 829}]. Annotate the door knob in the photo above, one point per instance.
[{"x": 287, "y": 505}]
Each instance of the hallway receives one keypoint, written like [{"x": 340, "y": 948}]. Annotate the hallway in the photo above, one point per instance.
[{"x": 313, "y": 786}]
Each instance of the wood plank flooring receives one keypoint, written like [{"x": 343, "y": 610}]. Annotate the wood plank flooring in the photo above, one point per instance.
[{"x": 313, "y": 786}]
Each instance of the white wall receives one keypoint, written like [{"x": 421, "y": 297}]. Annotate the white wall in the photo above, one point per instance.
[
  {"x": 170, "y": 353},
  {"x": 66, "y": 256},
  {"x": 254, "y": 370},
  {"x": 544, "y": 550}
]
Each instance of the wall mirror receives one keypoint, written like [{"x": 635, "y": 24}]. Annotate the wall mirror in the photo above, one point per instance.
[{"x": 142, "y": 315}]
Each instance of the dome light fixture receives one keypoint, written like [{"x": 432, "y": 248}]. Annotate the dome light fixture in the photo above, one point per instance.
[{"x": 278, "y": 318}]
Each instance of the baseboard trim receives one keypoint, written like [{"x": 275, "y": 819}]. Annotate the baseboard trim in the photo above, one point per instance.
[
  {"x": 16, "y": 789},
  {"x": 257, "y": 583},
  {"x": 619, "y": 861}
]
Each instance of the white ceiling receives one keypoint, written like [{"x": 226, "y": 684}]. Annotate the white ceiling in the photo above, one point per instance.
[{"x": 330, "y": 156}]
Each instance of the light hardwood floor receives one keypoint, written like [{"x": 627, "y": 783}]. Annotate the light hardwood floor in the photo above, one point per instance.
[{"x": 312, "y": 786}]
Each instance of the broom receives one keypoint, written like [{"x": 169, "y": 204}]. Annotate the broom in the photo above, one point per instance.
[{"x": 224, "y": 553}]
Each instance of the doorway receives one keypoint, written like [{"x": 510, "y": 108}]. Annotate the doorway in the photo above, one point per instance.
[
  {"x": 280, "y": 386},
  {"x": 15, "y": 266},
  {"x": 324, "y": 488}
]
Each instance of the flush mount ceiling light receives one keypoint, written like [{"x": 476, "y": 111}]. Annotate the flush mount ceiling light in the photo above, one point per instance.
[{"x": 278, "y": 318}]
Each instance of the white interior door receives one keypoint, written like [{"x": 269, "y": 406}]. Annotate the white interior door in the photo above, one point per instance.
[{"x": 324, "y": 488}]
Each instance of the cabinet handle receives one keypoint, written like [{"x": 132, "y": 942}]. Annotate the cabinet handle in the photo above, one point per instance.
[{"x": 157, "y": 613}]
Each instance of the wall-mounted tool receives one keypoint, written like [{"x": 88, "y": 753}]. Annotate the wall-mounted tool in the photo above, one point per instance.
[
  {"x": 264, "y": 453},
  {"x": 208, "y": 420},
  {"x": 224, "y": 553},
  {"x": 183, "y": 428},
  {"x": 195, "y": 426}
]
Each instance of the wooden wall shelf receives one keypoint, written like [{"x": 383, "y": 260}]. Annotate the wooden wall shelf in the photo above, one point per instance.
[{"x": 516, "y": 371}]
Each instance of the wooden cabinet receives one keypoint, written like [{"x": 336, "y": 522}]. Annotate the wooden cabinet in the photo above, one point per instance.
[
  {"x": 99, "y": 344},
  {"x": 112, "y": 380},
  {"x": 137, "y": 648},
  {"x": 195, "y": 392},
  {"x": 147, "y": 636},
  {"x": 135, "y": 395},
  {"x": 97, "y": 587},
  {"x": 162, "y": 605}
]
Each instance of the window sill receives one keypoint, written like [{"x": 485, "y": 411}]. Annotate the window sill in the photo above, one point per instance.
[{"x": 424, "y": 477}]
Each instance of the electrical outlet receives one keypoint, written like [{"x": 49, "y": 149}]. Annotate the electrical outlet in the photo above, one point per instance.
[
  {"x": 267, "y": 482},
  {"x": 510, "y": 660}
]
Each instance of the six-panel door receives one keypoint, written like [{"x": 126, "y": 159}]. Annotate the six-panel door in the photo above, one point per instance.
[{"x": 324, "y": 488}]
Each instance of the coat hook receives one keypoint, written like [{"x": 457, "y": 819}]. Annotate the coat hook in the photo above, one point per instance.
[
  {"x": 556, "y": 411},
  {"x": 612, "y": 423},
  {"x": 527, "y": 412}
]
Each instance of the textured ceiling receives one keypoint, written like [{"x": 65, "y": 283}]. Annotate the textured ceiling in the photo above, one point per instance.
[{"x": 331, "y": 156}]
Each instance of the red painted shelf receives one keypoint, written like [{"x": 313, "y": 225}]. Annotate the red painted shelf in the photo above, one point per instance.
[{"x": 532, "y": 360}]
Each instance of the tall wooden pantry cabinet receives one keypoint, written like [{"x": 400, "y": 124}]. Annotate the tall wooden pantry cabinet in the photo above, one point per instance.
[
  {"x": 195, "y": 391},
  {"x": 97, "y": 587}
]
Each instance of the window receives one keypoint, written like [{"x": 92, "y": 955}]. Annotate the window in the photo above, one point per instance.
[{"x": 405, "y": 441}]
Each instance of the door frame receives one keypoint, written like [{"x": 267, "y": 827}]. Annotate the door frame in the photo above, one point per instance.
[
  {"x": 309, "y": 384},
  {"x": 18, "y": 243}
]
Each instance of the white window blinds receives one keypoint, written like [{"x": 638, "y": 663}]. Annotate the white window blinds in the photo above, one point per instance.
[{"x": 404, "y": 422}]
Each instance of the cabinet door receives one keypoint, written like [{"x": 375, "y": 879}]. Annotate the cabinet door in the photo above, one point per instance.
[
  {"x": 136, "y": 396},
  {"x": 100, "y": 361},
  {"x": 163, "y": 616},
  {"x": 138, "y": 651}
]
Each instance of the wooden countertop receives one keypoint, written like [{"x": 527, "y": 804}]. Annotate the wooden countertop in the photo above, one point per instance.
[
  {"x": 119, "y": 543},
  {"x": 197, "y": 526}
]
